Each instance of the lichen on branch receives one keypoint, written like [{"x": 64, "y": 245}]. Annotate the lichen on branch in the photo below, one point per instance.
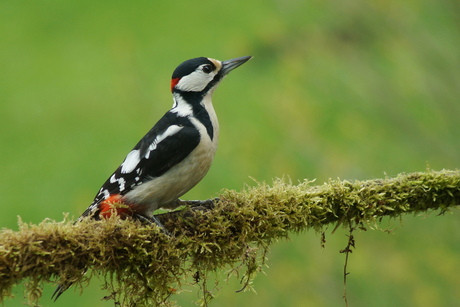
[{"x": 141, "y": 265}]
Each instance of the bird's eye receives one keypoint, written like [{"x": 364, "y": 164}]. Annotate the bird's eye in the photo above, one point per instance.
[{"x": 207, "y": 69}]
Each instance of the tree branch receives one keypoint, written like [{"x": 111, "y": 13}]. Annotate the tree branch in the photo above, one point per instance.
[{"x": 143, "y": 266}]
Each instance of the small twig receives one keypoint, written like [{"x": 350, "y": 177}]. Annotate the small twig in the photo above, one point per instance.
[{"x": 347, "y": 251}]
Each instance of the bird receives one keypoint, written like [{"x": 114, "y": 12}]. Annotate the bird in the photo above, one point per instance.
[{"x": 173, "y": 156}]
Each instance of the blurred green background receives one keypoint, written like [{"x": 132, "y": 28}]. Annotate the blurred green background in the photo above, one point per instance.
[{"x": 349, "y": 89}]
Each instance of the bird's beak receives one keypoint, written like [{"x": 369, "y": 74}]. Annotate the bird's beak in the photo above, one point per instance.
[{"x": 229, "y": 65}]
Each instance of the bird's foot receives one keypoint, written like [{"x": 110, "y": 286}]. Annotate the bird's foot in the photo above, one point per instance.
[{"x": 152, "y": 220}]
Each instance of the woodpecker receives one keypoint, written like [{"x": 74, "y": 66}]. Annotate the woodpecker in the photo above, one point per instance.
[{"x": 174, "y": 155}]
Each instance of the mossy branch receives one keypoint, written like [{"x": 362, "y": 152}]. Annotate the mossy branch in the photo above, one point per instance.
[{"x": 141, "y": 265}]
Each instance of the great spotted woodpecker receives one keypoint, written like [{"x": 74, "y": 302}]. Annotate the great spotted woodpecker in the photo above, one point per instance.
[{"x": 174, "y": 155}]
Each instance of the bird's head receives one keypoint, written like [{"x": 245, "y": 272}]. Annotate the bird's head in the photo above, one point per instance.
[{"x": 202, "y": 74}]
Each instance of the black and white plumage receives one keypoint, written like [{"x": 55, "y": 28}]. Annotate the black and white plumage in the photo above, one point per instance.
[
  {"x": 177, "y": 152},
  {"x": 174, "y": 155}
]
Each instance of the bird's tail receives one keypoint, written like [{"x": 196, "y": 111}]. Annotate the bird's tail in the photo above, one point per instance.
[{"x": 60, "y": 289}]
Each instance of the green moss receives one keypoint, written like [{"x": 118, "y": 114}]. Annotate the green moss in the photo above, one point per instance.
[{"x": 143, "y": 266}]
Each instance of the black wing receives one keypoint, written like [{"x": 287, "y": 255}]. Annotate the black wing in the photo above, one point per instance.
[{"x": 169, "y": 142}]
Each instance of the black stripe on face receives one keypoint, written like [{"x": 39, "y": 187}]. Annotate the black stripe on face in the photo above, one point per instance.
[{"x": 189, "y": 66}]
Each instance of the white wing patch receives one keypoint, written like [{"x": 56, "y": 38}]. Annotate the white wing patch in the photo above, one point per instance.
[
  {"x": 133, "y": 158},
  {"x": 104, "y": 192},
  {"x": 168, "y": 132},
  {"x": 121, "y": 182},
  {"x": 131, "y": 161}
]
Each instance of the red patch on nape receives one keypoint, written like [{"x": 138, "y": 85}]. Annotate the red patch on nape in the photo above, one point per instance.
[
  {"x": 174, "y": 82},
  {"x": 114, "y": 204}
]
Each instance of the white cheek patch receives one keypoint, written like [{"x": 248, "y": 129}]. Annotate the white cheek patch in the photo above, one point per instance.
[{"x": 195, "y": 82}]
